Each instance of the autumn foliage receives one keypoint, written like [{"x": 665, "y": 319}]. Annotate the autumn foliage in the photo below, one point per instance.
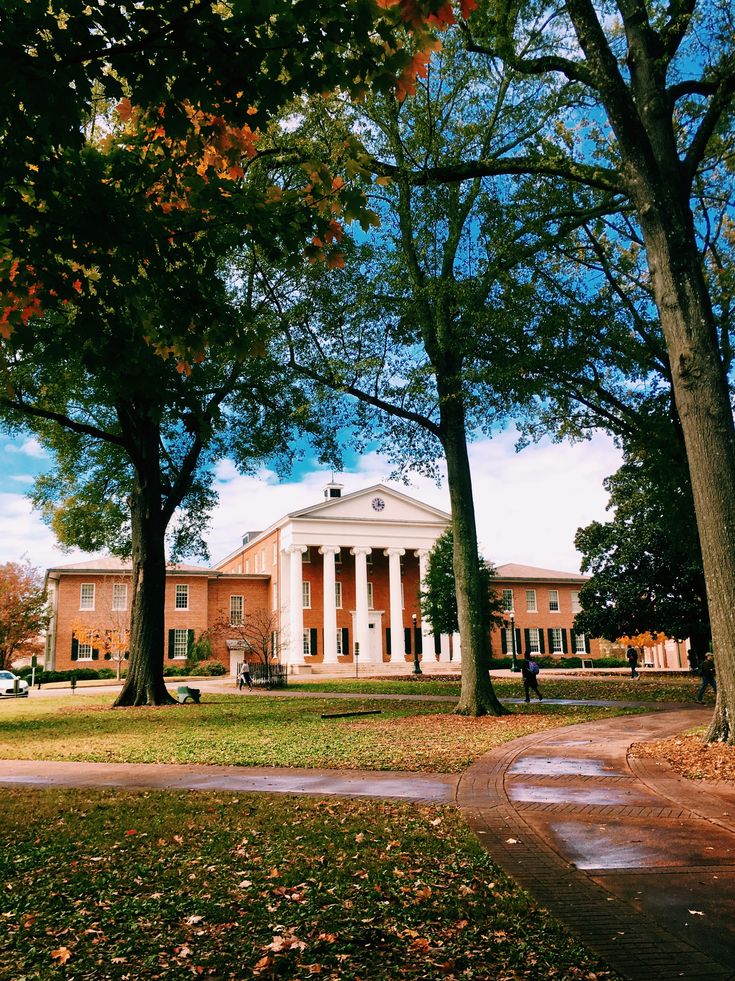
[{"x": 23, "y": 613}]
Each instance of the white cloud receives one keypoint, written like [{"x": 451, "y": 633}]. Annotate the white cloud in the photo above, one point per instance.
[
  {"x": 21, "y": 478},
  {"x": 29, "y": 447},
  {"x": 24, "y": 535}
]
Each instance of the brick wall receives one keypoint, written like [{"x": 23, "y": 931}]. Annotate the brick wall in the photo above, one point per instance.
[{"x": 543, "y": 619}]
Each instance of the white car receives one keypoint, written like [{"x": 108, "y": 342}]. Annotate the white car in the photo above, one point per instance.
[{"x": 8, "y": 682}]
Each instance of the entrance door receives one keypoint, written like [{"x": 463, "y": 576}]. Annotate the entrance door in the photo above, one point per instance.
[{"x": 375, "y": 633}]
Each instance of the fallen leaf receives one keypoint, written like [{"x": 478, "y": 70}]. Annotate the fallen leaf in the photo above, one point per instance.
[{"x": 61, "y": 954}]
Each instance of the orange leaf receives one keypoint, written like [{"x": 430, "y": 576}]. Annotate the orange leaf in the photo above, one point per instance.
[
  {"x": 467, "y": 6},
  {"x": 77, "y": 284},
  {"x": 124, "y": 109},
  {"x": 61, "y": 954}
]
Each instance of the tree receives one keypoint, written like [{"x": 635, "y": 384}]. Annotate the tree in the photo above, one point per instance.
[
  {"x": 432, "y": 297},
  {"x": 257, "y": 635},
  {"x": 663, "y": 75},
  {"x": 439, "y": 598},
  {"x": 23, "y": 611},
  {"x": 645, "y": 564}
]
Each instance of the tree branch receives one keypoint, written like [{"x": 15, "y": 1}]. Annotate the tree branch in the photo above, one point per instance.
[{"x": 63, "y": 420}]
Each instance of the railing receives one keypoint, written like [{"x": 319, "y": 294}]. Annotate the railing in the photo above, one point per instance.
[{"x": 267, "y": 675}]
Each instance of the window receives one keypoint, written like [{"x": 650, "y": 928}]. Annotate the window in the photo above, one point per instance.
[
  {"x": 338, "y": 595},
  {"x": 534, "y": 643},
  {"x": 306, "y": 595},
  {"x": 84, "y": 652},
  {"x": 579, "y": 645},
  {"x": 339, "y": 643},
  {"x": 274, "y": 644},
  {"x": 531, "y": 601},
  {"x": 555, "y": 639},
  {"x": 369, "y": 560},
  {"x": 338, "y": 560},
  {"x": 86, "y": 596},
  {"x": 576, "y": 605},
  {"x": 307, "y": 643},
  {"x": 553, "y": 601},
  {"x": 307, "y": 554},
  {"x": 508, "y": 600},
  {"x": 119, "y": 596},
  {"x": 237, "y": 609},
  {"x": 181, "y": 643},
  {"x": 182, "y": 597},
  {"x": 508, "y": 640},
  {"x": 370, "y": 596}
]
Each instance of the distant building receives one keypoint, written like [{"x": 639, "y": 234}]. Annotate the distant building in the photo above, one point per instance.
[{"x": 338, "y": 577}]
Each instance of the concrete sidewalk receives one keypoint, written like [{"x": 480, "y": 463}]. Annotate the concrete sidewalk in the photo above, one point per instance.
[{"x": 637, "y": 862}]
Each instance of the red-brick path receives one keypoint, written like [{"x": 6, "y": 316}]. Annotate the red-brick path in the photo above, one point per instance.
[{"x": 636, "y": 862}]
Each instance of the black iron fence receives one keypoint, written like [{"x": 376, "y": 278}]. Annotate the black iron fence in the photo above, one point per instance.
[{"x": 267, "y": 675}]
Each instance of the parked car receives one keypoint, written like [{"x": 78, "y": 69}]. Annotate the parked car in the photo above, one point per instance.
[{"x": 8, "y": 682}]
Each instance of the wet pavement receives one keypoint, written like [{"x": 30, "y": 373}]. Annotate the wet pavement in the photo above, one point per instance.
[
  {"x": 637, "y": 862},
  {"x": 419, "y": 787}
]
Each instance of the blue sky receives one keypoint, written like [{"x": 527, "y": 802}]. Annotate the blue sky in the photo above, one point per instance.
[{"x": 528, "y": 504}]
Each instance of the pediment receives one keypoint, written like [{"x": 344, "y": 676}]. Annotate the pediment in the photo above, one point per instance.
[{"x": 377, "y": 503}]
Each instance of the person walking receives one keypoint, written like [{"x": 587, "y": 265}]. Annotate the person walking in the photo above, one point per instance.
[
  {"x": 632, "y": 656},
  {"x": 707, "y": 673},
  {"x": 244, "y": 678},
  {"x": 529, "y": 673}
]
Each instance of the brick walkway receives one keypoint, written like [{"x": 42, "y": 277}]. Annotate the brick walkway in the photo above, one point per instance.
[{"x": 639, "y": 864}]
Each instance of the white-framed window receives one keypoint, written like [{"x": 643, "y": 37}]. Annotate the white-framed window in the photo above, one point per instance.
[
  {"x": 553, "y": 601},
  {"x": 275, "y": 594},
  {"x": 181, "y": 643},
  {"x": 306, "y": 594},
  {"x": 509, "y": 640},
  {"x": 338, "y": 559},
  {"x": 371, "y": 605},
  {"x": 84, "y": 652},
  {"x": 338, "y": 595},
  {"x": 86, "y": 596},
  {"x": 119, "y": 596},
  {"x": 339, "y": 643},
  {"x": 579, "y": 644},
  {"x": 237, "y": 609},
  {"x": 182, "y": 597},
  {"x": 534, "y": 641},
  {"x": 555, "y": 638},
  {"x": 531, "y": 606},
  {"x": 306, "y": 557},
  {"x": 576, "y": 605},
  {"x": 508, "y": 600},
  {"x": 307, "y": 642}
]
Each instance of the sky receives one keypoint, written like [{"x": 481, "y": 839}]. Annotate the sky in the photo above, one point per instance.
[{"x": 528, "y": 504}]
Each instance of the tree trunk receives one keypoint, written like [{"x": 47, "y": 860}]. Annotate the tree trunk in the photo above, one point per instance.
[
  {"x": 144, "y": 684},
  {"x": 477, "y": 695}
]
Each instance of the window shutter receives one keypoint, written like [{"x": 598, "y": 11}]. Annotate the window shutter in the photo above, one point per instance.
[
  {"x": 170, "y": 645},
  {"x": 586, "y": 644},
  {"x": 418, "y": 640},
  {"x": 518, "y": 640},
  {"x": 527, "y": 638},
  {"x": 345, "y": 640},
  {"x": 551, "y": 641},
  {"x": 95, "y": 654},
  {"x": 387, "y": 640},
  {"x": 541, "y": 646},
  {"x": 407, "y": 635},
  {"x": 564, "y": 648},
  {"x": 437, "y": 644},
  {"x": 189, "y": 641},
  {"x": 503, "y": 641},
  {"x": 108, "y": 656},
  {"x": 74, "y": 649},
  {"x": 314, "y": 637}
]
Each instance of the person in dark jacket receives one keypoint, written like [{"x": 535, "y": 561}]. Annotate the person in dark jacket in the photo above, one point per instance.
[
  {"x": 529, "y": 673},
  {"x": 632, "y": 656},
  {"x": 707, "y": 674},
  {"x": 245, "y": 678}
]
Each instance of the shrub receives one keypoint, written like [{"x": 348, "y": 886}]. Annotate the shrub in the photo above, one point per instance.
[
  {"x": 174, "y": 671},
  {"x": 209, "y": 669},
  {"x": 107, "y": 673}
]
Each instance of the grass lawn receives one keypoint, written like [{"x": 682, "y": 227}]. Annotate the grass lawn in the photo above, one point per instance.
[
  {"x": 645, "y": 689},
  {"x": 263, "y": 730},
  {"x": 108, "y": 885}
]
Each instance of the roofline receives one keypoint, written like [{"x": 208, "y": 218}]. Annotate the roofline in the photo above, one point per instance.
[
  {"x": 209, "y": 573},
  {"x": 567, "y": 577},
  {"x": 370, "y": 490}
]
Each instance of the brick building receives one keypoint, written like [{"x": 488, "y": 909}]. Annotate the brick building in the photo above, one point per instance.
[{"x": 339, "y": 576}]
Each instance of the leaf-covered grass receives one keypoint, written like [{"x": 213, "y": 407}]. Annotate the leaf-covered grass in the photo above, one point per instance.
[
  {"x": 104, "y": 885},
  {"x": 691, "y": 756},
  {"x": 262, "y": 730},
  {"x": 645, "y": 689}
]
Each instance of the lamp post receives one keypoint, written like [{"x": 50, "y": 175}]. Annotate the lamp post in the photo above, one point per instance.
[
  {"x": 513, "y": 664},
  {"x": 416, "y": 665}
]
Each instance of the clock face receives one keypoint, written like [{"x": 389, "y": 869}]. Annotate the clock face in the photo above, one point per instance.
[{"x": 378, "y": 504}]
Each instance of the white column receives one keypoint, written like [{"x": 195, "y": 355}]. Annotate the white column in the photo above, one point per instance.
[
  {"x": 295, "y": 646},
  {"x": 457, "y": 648},
  {"x": 330, "y": 604},
  {"x": 397, "y": 638},
  {"x": 444, "y": 640},
  {"x": 427, "y": 637},
  {"x": 362, "y": 630}
]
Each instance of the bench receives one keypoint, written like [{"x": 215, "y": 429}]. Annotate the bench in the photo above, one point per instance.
[{"x": 183, "y": 692}]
